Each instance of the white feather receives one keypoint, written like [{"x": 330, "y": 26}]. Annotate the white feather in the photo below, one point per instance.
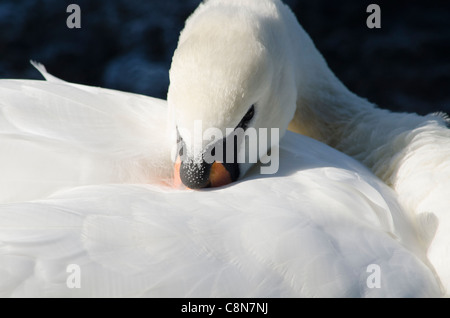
[{"x": 57, "y": 134}]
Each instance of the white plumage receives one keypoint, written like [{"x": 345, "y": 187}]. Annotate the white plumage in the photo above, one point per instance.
[
  {"x": 310, "y": 230},
  {"x": 60, "y": 135},
  {"x": 86, "y": 180}
]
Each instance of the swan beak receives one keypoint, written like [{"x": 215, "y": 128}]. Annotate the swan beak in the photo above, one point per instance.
[
  {"x": 177, "y": 183},
  {"x": 218, "y": 176}
]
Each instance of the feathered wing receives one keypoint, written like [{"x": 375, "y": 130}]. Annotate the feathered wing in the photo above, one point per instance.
[
  {"x": 422, "y": 181},
  {"x": 56, "y": 135},
  {"x": 313, "y": 229},
  {"x": 411, "y": 153}
]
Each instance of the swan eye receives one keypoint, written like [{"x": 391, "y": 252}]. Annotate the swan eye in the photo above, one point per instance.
[{"x": 247, "y": 118}]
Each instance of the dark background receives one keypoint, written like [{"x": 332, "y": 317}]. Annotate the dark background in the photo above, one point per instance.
[{"x": 128, "y": 45}]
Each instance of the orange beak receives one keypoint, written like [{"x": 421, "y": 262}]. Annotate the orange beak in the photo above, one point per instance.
[
  {"x": 177, "y": 183},
  {"x": 218, "y": 176}
]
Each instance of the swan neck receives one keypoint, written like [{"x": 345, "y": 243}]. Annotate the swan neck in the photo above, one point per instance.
[{"x": 326, "y": 111}]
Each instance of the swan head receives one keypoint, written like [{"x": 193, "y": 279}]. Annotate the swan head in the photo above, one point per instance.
[{"x": 228, "y": 76}]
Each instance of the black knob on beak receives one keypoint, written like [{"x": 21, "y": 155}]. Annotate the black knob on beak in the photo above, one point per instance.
[{"x": 195, "y": 175}]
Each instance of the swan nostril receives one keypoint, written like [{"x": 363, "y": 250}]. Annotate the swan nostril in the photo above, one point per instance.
[{"x": 195, "y": 175}]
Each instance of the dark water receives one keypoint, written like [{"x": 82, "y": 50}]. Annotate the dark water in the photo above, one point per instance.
[{"x": 128, "y": 45}]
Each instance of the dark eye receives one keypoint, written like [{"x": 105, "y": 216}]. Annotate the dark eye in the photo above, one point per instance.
[
  {"x": 247, "y": 118},
  {"x": 250, "y": 114}
]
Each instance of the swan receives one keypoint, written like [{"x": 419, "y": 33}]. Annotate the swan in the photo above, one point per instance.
[{"x": 88, "y": 178}]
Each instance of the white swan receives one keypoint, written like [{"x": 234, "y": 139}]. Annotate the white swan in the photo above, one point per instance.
[{"x": 312, "y": 229}]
